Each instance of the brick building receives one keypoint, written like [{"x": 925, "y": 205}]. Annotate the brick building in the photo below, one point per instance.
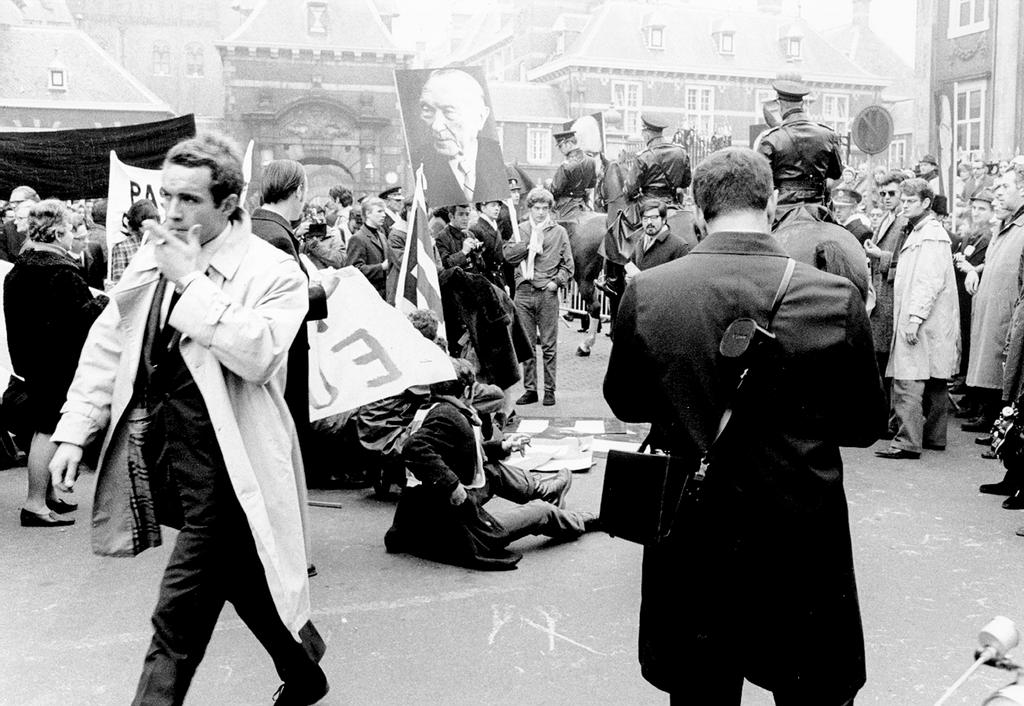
[
  {"x": 968, "y": 68},
  {"x": 54, "y": 76},
  {"x": 304, "y": 86},
  {"x": 709, "y": 69},
  {"x": 168, "y": 46}
]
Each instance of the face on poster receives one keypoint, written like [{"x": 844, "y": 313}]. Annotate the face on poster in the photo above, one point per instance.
[{"x": 450, "y": 132}]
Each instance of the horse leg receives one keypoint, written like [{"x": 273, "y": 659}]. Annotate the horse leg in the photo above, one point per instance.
[{"x": 590, "y": 305}]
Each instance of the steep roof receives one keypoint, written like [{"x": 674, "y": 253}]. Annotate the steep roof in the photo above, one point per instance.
[
  {"x": 523, "y": 102},
  {"x": 95, "y": 81},
  {"x": 349, "y": 25},
  {"x": 484, "y": 30},
  {"x": 614, "y": 38},
  {"x": 861, "y": 45}
]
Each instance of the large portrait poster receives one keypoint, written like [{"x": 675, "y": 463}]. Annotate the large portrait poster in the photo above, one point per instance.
[{"x": 450, "y": 131}]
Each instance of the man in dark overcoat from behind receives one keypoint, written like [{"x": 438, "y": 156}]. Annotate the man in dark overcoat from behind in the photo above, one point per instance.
[{"x": 764, "y": 563}]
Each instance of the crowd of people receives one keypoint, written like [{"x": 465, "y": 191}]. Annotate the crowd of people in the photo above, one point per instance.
[{"x": 180, "y": 371}]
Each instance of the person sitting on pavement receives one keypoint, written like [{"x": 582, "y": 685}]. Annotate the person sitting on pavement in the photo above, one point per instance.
[{"x": 442, "y": 517}]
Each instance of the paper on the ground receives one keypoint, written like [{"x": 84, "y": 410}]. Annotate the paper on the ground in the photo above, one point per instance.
[
  {"x": 574, "y": 453},
  {"x": 532, "y": 426},
  {"x": 606, "y": 445},
  {"x": 589, "y": 426}
]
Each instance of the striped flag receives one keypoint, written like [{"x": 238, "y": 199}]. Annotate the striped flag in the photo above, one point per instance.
[{"x": 418, "y": 286}]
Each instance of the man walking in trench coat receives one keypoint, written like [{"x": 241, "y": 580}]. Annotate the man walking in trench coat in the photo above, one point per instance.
[
  {"x": 183, "y": 375},
  {"x": 767, "y": 553}
]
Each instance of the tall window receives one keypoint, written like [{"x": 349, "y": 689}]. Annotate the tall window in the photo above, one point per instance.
[
  {"x": 627, "y": 97},
  {"x": 161, "y": 59},
  {"x": 726, "y": 42},
  {"x": 794, "y": 48},
  {"x": 898, "y": 152},
  {"x": 316, "y": 17},
  {"x": 700, "y": 107},
  {"x": 967, "y": 17},
  {"x": 835, "y": 112},
  {"x": 969, "y": 117},
  {"x": 538, "y": 145},
  {"x": 194, "y": 60},
  {"x": 657, "y": 38}
]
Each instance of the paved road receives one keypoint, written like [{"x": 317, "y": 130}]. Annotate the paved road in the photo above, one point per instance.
[{"x": 935, "y": 561}]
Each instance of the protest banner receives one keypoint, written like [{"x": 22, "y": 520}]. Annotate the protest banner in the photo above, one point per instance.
[
  {"x": 366, "y": 350},
  {"x": 128, "y": 184},
  {"x": 72, "y": 164}
]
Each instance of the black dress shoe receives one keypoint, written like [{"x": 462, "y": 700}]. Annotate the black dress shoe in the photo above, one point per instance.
[
  {"x": 976, "y": 424},
  {"x": 60, "y": 506},
  {"x": 989, "y": 454},
  {"x": 528, "y": 397},
  {"x": 897, "y": 454},
  {"x": 1000, "y": 488},
  {"x": 34, "y": 519},
  {"x": 549, "y": 399},
  {"x": 984, "y": 440},
  {"x": 582, "y": 352},
  {"x": 302, "y": 692},
  {"x": 1014, "y": 502}
]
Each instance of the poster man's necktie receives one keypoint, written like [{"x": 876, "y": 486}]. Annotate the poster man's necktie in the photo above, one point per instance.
[{"x": 467, "y": 179}]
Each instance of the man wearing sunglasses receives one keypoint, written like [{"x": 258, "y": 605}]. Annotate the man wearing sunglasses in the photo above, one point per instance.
[{"x": 883, "y": 252}]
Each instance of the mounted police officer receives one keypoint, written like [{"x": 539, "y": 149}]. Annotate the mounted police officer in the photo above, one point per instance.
[
  {"x": 574, "y": 177},
  {"x": 662, "y": 171},
  {"x": 803, "y": 154}
]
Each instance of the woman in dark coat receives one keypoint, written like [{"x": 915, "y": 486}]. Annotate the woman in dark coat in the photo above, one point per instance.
[{"x": 49, "y": 309}]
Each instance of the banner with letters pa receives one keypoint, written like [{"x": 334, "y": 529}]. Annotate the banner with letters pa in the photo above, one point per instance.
[{"x": 366, "y": 350}]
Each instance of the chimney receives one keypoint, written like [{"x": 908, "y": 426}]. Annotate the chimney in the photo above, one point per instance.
[
  {"x": 861, "y": 13},
  {"x": 772, "y": 7}
]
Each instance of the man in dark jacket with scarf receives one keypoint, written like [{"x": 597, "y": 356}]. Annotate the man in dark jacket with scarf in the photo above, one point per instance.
[
  {"x": 441, "y": 516},
  {"x": 767, "y": 552}
]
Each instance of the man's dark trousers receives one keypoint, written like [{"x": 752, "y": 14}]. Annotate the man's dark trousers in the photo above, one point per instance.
[
  {"x": 214, "y": 559},
  {"x": 538, "y": 309}
]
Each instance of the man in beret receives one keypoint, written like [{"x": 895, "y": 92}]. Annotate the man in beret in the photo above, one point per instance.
[
  {"x": 845, "y": 200},
  {"x": 804, "y": 154},
  {"x": 573, "y": 179}
]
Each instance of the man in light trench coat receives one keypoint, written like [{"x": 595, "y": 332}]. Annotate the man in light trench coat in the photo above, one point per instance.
[
  {"x": 183, "y": 374},
  {"x": 926, "y": 329}
]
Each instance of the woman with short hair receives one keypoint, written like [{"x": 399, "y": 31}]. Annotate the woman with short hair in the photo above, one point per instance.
[{"x": 49, "y": 309}]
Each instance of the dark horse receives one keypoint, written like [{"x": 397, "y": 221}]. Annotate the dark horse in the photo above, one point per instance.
[{"x": 615, "y": 231}]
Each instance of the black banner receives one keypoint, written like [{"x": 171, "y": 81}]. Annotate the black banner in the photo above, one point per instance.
[{"x": 75, "y": 164}]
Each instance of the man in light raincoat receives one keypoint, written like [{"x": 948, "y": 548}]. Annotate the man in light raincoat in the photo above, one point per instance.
[{"x": 183, "y": 374}]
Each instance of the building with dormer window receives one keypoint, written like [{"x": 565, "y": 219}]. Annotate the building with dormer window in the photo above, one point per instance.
[
  {"x": 304, "y": 86},
  {"x": 708, "y": 67}
]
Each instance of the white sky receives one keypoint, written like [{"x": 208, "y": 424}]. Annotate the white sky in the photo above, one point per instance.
[{"x": 893, "y": 20}]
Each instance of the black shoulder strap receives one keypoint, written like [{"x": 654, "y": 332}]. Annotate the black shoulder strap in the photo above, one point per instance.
[{"x": 781, "y": 293}]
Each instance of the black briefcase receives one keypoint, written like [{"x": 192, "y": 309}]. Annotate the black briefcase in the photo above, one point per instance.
[{"x": 642, "y": 495}]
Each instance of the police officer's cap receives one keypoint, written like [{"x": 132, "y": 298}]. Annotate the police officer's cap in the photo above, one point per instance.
[
  {"x": 789, "y": 90},
  {"x": 845, "y": 196},
  {"x": 395, "y": 191},
  {"x": 565, "y": 135},
  {"x": 985, "y": 195},
  {"x": 513, "y": 183},
  {"x": 654, "y": 121},
  {"x": 929, "y": 159}
]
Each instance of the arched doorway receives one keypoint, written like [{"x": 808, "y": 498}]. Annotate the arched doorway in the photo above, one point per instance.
[{"x": 323, "y": 173}]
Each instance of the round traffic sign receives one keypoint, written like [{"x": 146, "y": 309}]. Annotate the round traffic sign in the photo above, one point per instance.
[{"x": 872, "y": 129}]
